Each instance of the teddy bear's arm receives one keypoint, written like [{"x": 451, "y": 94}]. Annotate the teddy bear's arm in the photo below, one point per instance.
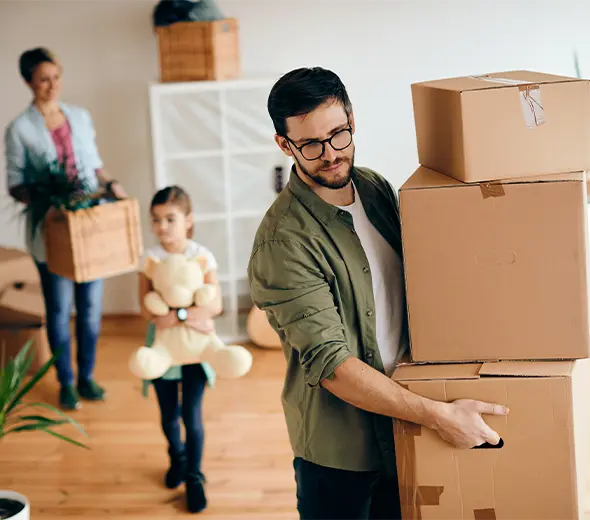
[
  {"x": 155, "y": 304},
  {"x": 205, "y": 295}
]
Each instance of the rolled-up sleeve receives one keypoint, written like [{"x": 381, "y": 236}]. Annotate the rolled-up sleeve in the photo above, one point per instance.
[
  {"x": 286, "y": 282},
  {"x": 15, "y": 155}
]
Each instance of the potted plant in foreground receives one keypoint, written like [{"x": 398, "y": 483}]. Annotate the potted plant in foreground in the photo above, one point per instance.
[{"x": 17, "y": 416}]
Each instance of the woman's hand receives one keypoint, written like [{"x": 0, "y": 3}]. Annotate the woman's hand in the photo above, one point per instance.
[
  {"x": 200, "y": 319},
  {"x": 165, "y": 322},
  {"x": 117, "y": 190}
]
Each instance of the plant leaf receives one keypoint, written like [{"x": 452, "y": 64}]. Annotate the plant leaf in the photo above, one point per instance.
[
  {"x": 8, "y": 385},
  {"x": 67, "y": 439},
  {"x": 32, "y": 382},
  {"x": 23, "y": 360},
  {"x": 74, "y": 423},
  {"x": 39, "y": 424},
  {"x": 45, "y": 428}
]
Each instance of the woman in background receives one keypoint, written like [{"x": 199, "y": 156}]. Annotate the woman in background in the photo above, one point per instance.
[{"x": 49, "y": 130}]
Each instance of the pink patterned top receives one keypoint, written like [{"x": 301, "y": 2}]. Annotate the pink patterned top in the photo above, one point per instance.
[{"x": 62, "y": 138}]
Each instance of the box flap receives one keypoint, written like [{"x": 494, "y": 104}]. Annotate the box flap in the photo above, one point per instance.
[
  {"x": 496, "y": 80},
  {"x": 527, "y": 368},
  {"x": 416, "y": 372},
  {"x": 425, "y": 178},
  {"x": 7, "y": 254}
]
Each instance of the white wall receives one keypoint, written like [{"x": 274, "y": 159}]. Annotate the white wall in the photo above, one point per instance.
[{"x": 377, "y": 47}]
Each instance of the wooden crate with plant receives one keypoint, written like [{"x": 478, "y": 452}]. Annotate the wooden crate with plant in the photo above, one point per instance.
[{"x": 87, "y": 235}]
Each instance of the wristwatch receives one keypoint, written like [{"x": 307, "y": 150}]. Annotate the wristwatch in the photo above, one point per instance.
[{"x": 182, "y": 315}]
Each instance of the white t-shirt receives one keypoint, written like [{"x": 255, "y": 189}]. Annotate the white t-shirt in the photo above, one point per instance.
[
  {"x": 193, "y": 249},
  {"x": 388, "y": 284}
]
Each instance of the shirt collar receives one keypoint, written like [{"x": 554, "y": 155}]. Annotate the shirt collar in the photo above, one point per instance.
[{"x": 318, "y": 206}]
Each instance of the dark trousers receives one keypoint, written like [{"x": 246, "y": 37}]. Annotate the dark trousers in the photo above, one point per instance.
[
  {"x": 60, "y": 294},
  {"x": 327, "y": 493},
  {"x": 193, "y": 385}
]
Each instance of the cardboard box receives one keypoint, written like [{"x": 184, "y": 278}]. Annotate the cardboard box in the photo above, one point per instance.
[
  {"x": 12, "y": 340},
  {"x": 503, "y": 125},
  {"x": 496, "y": 271},
  {"x": 22, "y": 319},
  {"x": 16, "y": 266},
  {"x": 539, "y": 472},
  {"x": 22, "y": 306}
]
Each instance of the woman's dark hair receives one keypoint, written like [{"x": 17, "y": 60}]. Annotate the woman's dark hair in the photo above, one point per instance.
[
  {"x": 176, "y": 196},
  {"x": 31, "y": 59},
  {"x": 302, "y": 90}
]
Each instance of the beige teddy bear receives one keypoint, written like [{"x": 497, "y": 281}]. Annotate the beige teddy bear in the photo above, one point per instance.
[{"x": 178, "y": 282}]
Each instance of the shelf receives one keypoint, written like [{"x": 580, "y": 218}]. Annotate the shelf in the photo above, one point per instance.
[
  {"x": 207, "y": 154},
  {"x": 200, "y": 86},
  {"x": 215, "y": 139},
  {"x": 212, "y": 217}
]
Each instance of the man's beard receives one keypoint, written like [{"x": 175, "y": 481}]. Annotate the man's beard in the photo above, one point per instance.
[{"x": 332, "y": 183}]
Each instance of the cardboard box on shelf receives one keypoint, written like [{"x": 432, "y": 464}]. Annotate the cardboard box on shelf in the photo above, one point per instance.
[
  {"x": 496, "y": 271},
  {"x": 503, "y": 125},
  {"x": 539, "y": 470}
]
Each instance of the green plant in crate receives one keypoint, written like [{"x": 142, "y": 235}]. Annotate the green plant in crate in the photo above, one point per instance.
[
  {"x": 52, "y": 187},
  {"x": 14, "y": 386}
]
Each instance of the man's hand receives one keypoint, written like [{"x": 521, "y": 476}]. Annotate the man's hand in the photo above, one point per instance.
[
  {"x": 166, "y": 321},
  {"x": 460, "y": 423}
]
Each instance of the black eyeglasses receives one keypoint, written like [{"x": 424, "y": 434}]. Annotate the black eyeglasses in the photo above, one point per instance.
[{"x": 315, "y": 149}]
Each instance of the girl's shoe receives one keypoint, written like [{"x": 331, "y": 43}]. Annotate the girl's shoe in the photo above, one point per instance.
[
  {"x": 196, "y": 500},
  {"x": 176, "y": 472}
]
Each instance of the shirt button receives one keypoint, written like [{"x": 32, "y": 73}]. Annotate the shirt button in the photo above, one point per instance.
[
  {"x": 369, "y": 355},
  {"x": 369, "y": 313},
  {"x": 365, "y": 269}
]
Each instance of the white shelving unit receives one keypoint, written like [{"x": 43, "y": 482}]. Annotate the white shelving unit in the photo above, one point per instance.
[{"x": 215, "y": 139}]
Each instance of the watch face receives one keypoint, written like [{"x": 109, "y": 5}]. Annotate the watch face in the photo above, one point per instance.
[{"x": 182, "y": 314}]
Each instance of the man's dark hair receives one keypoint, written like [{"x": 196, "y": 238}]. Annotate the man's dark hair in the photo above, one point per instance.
[
  {"x": 31, "y": 59},
  {"x": 302, "y": 90}
]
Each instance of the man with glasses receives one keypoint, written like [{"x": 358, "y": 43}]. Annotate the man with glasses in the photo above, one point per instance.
[{"x": 326, "y": 266}]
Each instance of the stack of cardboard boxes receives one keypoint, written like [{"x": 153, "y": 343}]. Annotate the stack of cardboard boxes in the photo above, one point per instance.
[
  {"x": 495, "y": 239},
  {"x": 22, "y": 311}
]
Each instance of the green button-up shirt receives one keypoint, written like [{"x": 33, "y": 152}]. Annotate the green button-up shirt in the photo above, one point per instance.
[{"x": 309, "y": 273}]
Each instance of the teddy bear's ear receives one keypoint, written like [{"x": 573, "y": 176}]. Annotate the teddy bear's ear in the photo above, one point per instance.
[
  {"x": 150, "y": 264},
  {"x": 202, "y": 261}
]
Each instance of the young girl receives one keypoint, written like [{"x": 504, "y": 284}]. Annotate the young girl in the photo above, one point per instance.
[{"x": 172, "y": 224}]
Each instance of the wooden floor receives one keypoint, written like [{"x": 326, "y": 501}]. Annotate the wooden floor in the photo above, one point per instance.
[{"x": 247, "y": 458}]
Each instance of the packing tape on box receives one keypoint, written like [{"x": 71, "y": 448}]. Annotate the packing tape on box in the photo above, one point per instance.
[
  {"x": 530, "y": 99},
  {"x": 412, "y": 496},
  {"x": 489, "y": 189}
]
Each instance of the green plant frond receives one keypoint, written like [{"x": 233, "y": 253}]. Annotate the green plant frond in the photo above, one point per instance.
[
  {"x": 13, "y": 389},
  {"x": 29, "y": 425},
  {"x": 56, "y": 411},
  {"x": 65, "y": 438},
  {"x": 32, "y": 382},
  {"x": 9, "y": 384}
]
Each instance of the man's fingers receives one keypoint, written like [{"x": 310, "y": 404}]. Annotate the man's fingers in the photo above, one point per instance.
[
  {"x": 491, "y": 409},
  {"x": 490, "y": 436}
]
